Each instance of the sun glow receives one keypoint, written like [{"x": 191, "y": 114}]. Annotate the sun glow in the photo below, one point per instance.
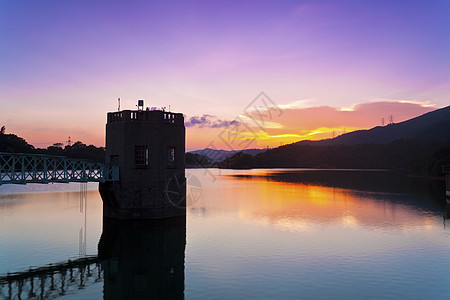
[{"x": 264, "y": 138}]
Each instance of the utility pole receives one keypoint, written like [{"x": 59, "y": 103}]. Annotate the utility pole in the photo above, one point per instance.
[{"x": 382, "y": 121}]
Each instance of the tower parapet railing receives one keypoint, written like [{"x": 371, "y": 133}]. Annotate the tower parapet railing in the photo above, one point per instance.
[{"x": 145, "y": 115}]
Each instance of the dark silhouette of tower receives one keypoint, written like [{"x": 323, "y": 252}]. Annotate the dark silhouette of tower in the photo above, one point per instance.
[{"x": 148, "y": 146}]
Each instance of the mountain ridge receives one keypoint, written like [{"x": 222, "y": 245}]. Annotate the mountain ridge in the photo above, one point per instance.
[
  {"x": 431, "y": 125},
  {"x": 217, "y": 155}
]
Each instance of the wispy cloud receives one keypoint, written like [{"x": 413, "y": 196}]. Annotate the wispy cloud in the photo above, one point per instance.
[
  {"x": 209, "y": 121},
  {"x": 415, "y": 102},
  {"x": 297, "y": 104}
]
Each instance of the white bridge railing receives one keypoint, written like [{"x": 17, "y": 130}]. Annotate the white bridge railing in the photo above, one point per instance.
[{"x": 19, "y": 168}]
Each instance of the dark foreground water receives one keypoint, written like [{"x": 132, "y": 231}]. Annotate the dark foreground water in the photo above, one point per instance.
[{"x": 265, "y": 234}]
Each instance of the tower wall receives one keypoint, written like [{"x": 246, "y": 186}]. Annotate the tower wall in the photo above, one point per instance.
[{"x": 148, "y": 147}]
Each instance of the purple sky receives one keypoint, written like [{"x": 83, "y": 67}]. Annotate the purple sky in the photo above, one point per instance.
[{"x": 64, "y": 63}]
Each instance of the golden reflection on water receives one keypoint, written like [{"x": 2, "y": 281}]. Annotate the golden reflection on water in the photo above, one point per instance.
[{"x": 299, "y": 206}]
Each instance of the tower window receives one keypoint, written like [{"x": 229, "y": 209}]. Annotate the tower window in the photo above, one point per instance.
[
  {"x": 141, "y": 156},
  {"x": 171, "y": 157}
]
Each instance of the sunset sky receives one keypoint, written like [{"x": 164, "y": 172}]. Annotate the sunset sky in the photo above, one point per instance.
[{"x": 324, "y": 66}]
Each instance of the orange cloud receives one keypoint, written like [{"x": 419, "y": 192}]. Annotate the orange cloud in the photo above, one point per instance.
[{"x": 315, "y": 123}]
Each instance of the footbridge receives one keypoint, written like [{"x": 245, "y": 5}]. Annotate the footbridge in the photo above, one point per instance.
[{"x": 20, "y": 168}]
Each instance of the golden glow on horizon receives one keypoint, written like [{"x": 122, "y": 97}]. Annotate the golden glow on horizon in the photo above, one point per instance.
[
  {"x": 255, "y": 137},
  {"x": 329, "y": 131},
  {"x": 263, "y": 138}
]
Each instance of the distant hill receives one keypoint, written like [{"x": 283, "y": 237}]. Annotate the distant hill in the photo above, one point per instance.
[
  {"x": 420, "y": 146},
  {"x": 433, "y": 125},
  {"x": 219, "y": 155}
]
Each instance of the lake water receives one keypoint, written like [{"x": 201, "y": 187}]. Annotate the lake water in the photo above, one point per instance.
[{"x": 265, "y": 234}]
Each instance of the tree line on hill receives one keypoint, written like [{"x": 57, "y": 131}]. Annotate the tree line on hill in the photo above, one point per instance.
[{"x": 12, "y": 143}]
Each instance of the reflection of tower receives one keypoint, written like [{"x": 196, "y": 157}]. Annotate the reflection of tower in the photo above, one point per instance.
[
  {"x": 143, "y": 259},
  {"x": 148, "y": 146}
]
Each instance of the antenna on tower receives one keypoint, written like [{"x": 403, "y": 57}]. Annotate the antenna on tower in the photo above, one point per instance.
[
  {"x": 69, "y": 142},
  {"x": 118, "y": 104}
]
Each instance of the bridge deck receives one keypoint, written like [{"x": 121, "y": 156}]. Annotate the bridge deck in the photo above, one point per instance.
[{"x": 19, "y": 168}]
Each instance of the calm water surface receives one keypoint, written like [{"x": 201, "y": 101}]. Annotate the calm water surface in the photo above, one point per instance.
[{"x": 266, "y": 234}]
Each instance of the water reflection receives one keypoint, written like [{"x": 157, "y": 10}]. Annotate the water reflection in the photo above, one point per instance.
[
  {"x": 375, "y": 182},
  {"x": 317, "y": 236},
  {"x": 143, "y": 259},
  {"x": 297, "y": 200},
  {"x": 253, "y": 233}
]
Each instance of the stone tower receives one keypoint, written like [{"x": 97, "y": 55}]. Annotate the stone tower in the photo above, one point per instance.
[{"x": 148, "y": 146}]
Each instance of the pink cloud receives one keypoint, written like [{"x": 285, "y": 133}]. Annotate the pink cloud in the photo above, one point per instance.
[{"x": 365, "y": 115}]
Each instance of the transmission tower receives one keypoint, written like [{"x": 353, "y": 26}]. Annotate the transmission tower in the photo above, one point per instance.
[{"x": 391, "y": 119}]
